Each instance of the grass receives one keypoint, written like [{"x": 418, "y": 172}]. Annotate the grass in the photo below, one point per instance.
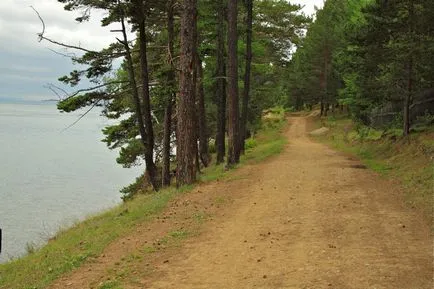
[
  {"x": 110, "y": 285},
  {"x": 71, "y": 247},
  {"x": 409, "y": 160}
]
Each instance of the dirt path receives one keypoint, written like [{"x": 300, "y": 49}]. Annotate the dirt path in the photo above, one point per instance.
[{"x": 309, "y": 218}]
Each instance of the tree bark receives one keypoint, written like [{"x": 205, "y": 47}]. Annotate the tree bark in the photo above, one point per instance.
[
  {"x": 408, "y": 97},
  {"x": 186, "y": 135},
  {"x": 201, "y": 114},
  {"x": 221, "y": 84},
  {"x": 246, "y": 96},
  {"x": 135, "y": 94},
  {"x": 169, "y": 106},
  {"x": 146, "y": 101},
  {"x": 233, "y": 101}
]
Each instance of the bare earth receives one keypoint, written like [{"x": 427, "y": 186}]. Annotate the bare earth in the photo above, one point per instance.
[{"x": 308, "y": 218}]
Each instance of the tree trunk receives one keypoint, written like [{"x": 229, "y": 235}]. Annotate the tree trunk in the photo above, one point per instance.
[
  {"x": 186, "y": 135},
  {"x": 201, "y": 114},
  {"x": 168, "y": 110},
  {"x": 322, "y": 106},
  {"x": 146, "y": 101},
  {"x": 408, "y": 97},
  {"x": 233, "y": 101},
  {"x": 135, "y": 93},
  {"x": 407, "y": 101},
  {"x": 246, "y": 96},
  {"x": 221, "y": 84}
]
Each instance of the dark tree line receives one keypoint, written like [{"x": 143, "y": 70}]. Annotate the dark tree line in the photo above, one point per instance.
[{"x": 373, "y": 57}]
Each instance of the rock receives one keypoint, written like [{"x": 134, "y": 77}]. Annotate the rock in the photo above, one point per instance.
[{"x": 320, "y": 131}]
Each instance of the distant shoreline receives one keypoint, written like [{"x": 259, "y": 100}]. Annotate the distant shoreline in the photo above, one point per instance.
[{"x": 28, "y": 102}]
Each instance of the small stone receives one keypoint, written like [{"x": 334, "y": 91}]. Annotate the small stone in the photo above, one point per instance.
[{"x": 265, "y": 276}]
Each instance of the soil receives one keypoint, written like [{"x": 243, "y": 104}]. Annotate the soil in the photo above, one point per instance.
[{"x": 308, "y": 218}]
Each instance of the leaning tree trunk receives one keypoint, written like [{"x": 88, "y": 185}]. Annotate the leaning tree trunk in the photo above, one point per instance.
[
  {"x": 171, "y": 97},
  {"x": 233, "y": 101},
  {"x": 134, "y": 92},
  {"x": 201, "y": 115},
  {"x": 246, "y": 96},
  {"x": 186, "y": 135},
  {"x": 146, "y": 101},
  {"x": 221, "y": 84}
]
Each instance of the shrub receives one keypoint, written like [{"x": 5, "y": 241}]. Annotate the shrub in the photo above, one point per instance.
[{"x": 250, "y": 143}]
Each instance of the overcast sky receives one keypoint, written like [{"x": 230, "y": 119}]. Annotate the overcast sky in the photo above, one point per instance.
[{"x": 26, "y": 65}]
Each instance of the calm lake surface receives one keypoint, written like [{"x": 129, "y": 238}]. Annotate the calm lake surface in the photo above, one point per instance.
[{"x": 50, "y": 178}]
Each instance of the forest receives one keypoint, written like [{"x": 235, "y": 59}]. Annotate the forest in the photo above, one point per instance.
[{"x": 194, "y": 81}]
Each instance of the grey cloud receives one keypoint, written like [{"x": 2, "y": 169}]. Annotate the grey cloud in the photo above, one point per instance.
[{"x": 26, "y": 65}]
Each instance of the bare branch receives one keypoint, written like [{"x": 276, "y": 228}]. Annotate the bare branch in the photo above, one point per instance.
[
  {"x": 93, "y": 88},
  {"x": 81, "y": 116},
  {"x": 42, "y": 36},
  {"x": 56, "y": 89},
  {"x": 55, "y": 92},
  {"x": 42, "y": 21},
  {"x": 92, "y": 107},
  {"x": 68, "y": 55}
]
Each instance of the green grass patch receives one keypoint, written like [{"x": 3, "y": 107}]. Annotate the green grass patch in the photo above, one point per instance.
[
  {"x": 200, "y": 217},
  {"x": 179, "y": 235},
  {"x": 86, "y": 240},
  {"x": 149, "y": 250},
  {"x": 388, "y": 153},
  {"x": 110, "y": 285}
]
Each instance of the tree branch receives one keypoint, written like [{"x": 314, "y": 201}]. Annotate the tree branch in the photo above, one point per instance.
[{"x": 81, "y": 116}]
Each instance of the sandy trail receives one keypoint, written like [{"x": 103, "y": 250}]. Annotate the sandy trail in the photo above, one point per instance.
[{"x": 308, "y": 218}]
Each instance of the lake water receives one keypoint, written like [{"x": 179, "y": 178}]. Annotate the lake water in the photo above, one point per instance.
[{"x": 50, "y": 178}]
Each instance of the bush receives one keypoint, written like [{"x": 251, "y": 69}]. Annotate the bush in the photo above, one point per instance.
[
  {"x": 250, "y": 143},
  {"x": 131, "y": 190}
]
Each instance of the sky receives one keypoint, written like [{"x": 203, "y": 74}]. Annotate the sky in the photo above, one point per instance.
[{"x": 27, "y": 66}]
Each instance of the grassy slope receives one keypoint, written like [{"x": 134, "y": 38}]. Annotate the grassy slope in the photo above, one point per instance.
[
  {"x": 408, "y": 160},
  {"x": 72, "y": 247}
]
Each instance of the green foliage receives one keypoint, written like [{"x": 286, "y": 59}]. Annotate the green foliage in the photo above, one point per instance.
[
  {"x": 359, "y": 54},
  {"x": 135, "y": 188},
  {"x": 250, "y": 143}
]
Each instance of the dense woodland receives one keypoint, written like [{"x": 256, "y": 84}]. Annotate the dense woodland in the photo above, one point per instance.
[
  {"x": 374, "y": 58},
  {"x": 197, "y": 76}
]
